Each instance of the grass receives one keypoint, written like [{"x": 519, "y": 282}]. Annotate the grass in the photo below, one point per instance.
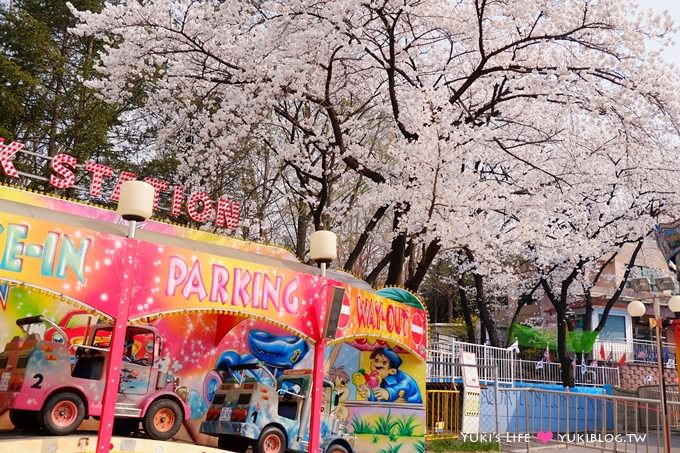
[
  {"x": 420, "y": 447},
  {"x": 359, "y": 426},
  {"x": 405, "y": 427},
  {"x": 448, "y": 446},
  {"x": 385, "y": 425},
  {"x": 391, "y": 448}
]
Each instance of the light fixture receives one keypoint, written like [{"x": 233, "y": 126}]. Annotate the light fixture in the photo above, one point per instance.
[
  {"x": 641, "y": 284},
  {"x": 323, "y": 248},
  {"x": 636, "y": 309},
  {"x": 135, "y": 203},
  {"x": 674, "y": 304},
  {"x": 665, "y": 283}
]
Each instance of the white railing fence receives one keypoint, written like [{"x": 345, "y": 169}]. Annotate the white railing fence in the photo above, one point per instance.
[
  {"x": 503, "y": 365},
  {"x": 636, "y": 351}
]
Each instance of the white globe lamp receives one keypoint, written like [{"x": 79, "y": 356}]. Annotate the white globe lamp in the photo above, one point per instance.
[
  {"x": 636, "y": 309},
  {"x": 674, "y": 304},
  {"x": 323, "y": 248},
  {"x": 135, "y": 203}
]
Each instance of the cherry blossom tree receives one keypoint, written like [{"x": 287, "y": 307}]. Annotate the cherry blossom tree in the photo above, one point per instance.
[{"x": 535, "y": 131}]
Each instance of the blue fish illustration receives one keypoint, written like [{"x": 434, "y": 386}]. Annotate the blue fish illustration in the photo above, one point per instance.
[{"x": 278, "y": 352}]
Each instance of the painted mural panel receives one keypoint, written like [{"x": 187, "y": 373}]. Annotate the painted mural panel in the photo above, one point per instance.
[
  {"x": 380, "y": 391},
  {"x": 202, "y": 326},
  {"x": 378, "y": 388}
]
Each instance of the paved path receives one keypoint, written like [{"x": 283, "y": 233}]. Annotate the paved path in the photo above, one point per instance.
[{"x": 650, "y": 446}]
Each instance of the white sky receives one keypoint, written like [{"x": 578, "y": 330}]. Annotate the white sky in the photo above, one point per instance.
[{"x": 673, "y": 7}]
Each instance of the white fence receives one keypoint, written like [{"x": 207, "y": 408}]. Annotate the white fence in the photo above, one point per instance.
[
  {"x": 502, "y": 365},
  {"x": 444, "y": 356},
  {"x": 636, "y": 351}
]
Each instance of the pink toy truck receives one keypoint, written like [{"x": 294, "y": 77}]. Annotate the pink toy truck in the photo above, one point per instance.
[
  {"x": 75, "y": 324},
  {"x": 42, "y": 389}
]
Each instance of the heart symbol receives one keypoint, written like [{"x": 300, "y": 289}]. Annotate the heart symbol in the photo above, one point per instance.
[{"x": 544, "y": 436}]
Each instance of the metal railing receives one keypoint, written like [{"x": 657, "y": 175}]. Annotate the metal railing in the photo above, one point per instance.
[
  {"x": 443, "y": 414},
  {"x": 488, "y": 358},
  {"x": 525, "y": 371},
  {"x": 672, "y": 399},
  {"x": 636, "y": 351},
  {"x": 443, "y": 366},
  {"x": 592, "y": 421}
]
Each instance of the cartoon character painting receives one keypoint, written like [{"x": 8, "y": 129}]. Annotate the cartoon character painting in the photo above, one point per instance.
[
  {"x": 386, "y": 382},
  {"x": 340, "y": 379}
]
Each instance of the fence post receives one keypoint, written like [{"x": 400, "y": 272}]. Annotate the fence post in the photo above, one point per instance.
[
  {"x": 526, "y": 415},
  {"x": 512, "y": 369},
  {"x": 603, "y": 416},
  {"x": 566, "y": 410},
  {"x": 495, "y": 391}
]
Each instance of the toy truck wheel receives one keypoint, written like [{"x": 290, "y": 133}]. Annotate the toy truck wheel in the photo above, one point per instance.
[
  {"x": 336, "y": 448},
  {"x": 62, "y": 414},
  {"x": 163, "y": 419},
  {"x": 24, "y": 420},
  {"x": 233, "y": 443},
  {"x": 271, "y": 440}
]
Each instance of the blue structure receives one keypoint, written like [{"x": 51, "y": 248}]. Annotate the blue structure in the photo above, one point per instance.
[{"x": 528, "y": 411}]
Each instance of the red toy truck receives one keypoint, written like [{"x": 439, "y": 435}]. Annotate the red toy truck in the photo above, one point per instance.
[
  {"x": 75, "y": 324},
  {"x": 40, "y": 386}
]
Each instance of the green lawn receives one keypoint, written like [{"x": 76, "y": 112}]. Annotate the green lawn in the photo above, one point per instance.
[{"x": 449, "y": 446}]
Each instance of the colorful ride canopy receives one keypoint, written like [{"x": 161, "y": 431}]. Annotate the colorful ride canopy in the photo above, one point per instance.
[{"x": 63, "y": 248}]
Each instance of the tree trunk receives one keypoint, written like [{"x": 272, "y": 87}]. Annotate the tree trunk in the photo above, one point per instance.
[
  {"x": 484, "y": 314},
  {"x": 302, "y": 228},
  {"x": 361, "y": 243},
  {"x": 612, "y": 300},
  {"x": 588, "y": 314},
  {"x": 428, "y": 257},
  {"x": 566, "y": 374},
  {"x": 56, "y": 107},
  {"x": 560, "y": 305},
  {"x": 398, "y": 249},
  {"x": 375, "y": 273},
  {"x": 467, "y": 316},
  {"x": 520, "y": 304},
  {"x": 488, "y": 321}
]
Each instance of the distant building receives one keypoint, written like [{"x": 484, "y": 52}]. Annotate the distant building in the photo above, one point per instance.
[{"x": 649, "y": 278}]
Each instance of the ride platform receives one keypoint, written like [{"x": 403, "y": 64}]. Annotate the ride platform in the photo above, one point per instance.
[{"x": 86, "y": 442}]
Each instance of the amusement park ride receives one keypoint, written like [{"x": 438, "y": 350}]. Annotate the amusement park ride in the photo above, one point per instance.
[
  {"x": 42, "y": 388},
  {"x": 262, "y": 345}
]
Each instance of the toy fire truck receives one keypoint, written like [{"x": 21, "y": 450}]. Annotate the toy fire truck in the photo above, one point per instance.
[
  {"x": 43, "y": 387},
  {"x": 254, "y": 408}
]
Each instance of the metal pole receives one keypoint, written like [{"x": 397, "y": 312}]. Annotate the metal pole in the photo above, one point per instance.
[
  {"x": 132, "y": 228},
  {"x": 116, "y": 346},
  {"x": 662, "y": 381},
  {"x": 317, "y": 395},
  {"x": 495, "y": 391},
  {"x": 512, "y": 369},
  {"x": 676, "y": 338}
]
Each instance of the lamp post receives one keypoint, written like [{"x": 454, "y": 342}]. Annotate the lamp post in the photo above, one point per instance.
[
  {"x": 323, "y": 250},
  {"x": 135, "y": 205},
  {"x": 636, "y": 309},
  {"x": 674, "y": 305}
]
